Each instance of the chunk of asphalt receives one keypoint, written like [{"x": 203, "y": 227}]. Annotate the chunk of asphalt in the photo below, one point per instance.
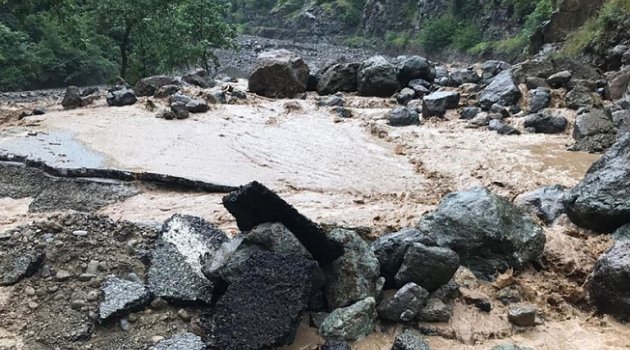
[
  {"x": 254, "y": 204},
  {"x": 185, "y": 244},
  {"x": 121, "y": 297},
  {"x": 16, "y": 265},
  {"x": 184, "y": 341}
]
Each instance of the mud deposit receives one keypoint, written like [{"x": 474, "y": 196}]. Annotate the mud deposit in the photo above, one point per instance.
[{"x": 355, "y": 172}]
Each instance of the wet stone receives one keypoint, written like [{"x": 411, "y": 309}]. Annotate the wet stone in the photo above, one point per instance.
[
  {"x": 546, "y": 202},
  {"x": 522, "y": 316},
  {"x": 437, "y": 103},
  {"x": 335, "y": 345},
  {"x": 350, "y": 323},
  {"x": 404, "y": 305},
  {"x": 403, "y": 116},
  {"x": 184, "y": 341},
  {"x": 429, "y": 267},
  {"x": 121, "y": 297},
  {"x": 435, "y": 311},
  {"x": 409, "y": 340}
]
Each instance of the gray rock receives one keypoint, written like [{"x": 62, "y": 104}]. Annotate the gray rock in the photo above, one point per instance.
[
  {"x": 180, "y": 111},
  {"x": 377, "y": 77},
  {"x": 510, "y": 294},
  {"x": 150, "y": 85},
  {"x": 502, "y": 90},
  {"x": 121, "y": 297},
  {"x": 409, "y": 340},
  {"x": 197, "y": 106},
  {"x": 275, "y": 237},
  {"x": 598, "y": 202},
  {"x": 492, "y": 68},
  {"x": 619, "y": 83},
  {"x": 405, "y": 305},
  {"x": 488, "y": 232},
  {"x": 18, "y": 264},
  {"x": 594, "y": 131},
  {"x": 522, "y": 316},
  {"x": 545, "y": 202},
  {"x": 332, "y": 101},
  {"x": 435, "y": 311},
  {"x": 255, "y": 204},
  {"x": 390, "y": 250},
  {"x": 546, "y": 123},
  {"x": 610, "y": 282},
  {"x": 185, "y": 244},
  {"x": 263, "y": 309},
  {"x": 559, "y": 79},
  {"x": 403, "y": 116},
  {"x": 199, "y": 77},
  {"x": 350, "y": 323},
  {"x": 317, "y": 318},
  {"x": 539, "y": 99},
  {"x": 468, "y": 113},
  {"x": 535, "y": 83},
  {"x": 414, "y": 67},
  {"x": 579, "y": 97},
  {"x": 72, "y": 98},
  {"x": 179, "y": 98},
  {"x": 405, "y": 95},
  {"x": 164, "y": 113},
  {"x": 338, "y": 77},
  {"x": 119, "y": 98},
  {"x": 481, "y": 119},
  {"x": 437, "y": 103},
  {"x": 622, "y": 233},
  {"x": 166, "y": 91},
  {"x": 420, "y": 86},
  {"x": 335, "y": 345},
  {"x": 279, "y": 74},
  {"x": 352, "y": 277},
  {"x": 501, "y": 128},
  {"x": 464, "y": 76},
  {"x": 183, "y": 341},
  {"x": 429, "y": 267}
]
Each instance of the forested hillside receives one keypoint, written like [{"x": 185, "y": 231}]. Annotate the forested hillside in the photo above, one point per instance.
[{"x": 45, "y": 43}]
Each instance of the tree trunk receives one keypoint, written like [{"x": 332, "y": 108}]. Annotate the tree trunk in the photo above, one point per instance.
[{"x": 124, "y": 52}]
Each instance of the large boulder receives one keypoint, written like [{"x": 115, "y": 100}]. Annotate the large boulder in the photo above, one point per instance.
[
  {"x": 600, "y": 200},
  {"x": 546, "y": 202},
  {"x": 263, "y": 309},
  {"x": 338, "y": 77},
  {"x": 414, "y": 67},
  {"x": 122, "y": 97},
  {"x": 488, "y": 232},
  {"x": 464, "y": 76},
  {"x": 199, "y": 77},
  {"x": 352, "y": 277},
  {"x": 546, "y": 123},
  {"x": 539, "y": 99},
  {"x": 377, "y": 77},
  {"x": 255, "y": 204},
  {"x": 150, "y": 85},
  {"x": 176, "y": 265},
  {"x": 390, "y": 250},
  {"x": 580, "y": 97},
  {"x": 279, "y": 74},
  {"x": 437, "y": 103},
  {"x": 594, "y": 131},
  {"x": 491, "y": 69},
  {"x": 502, "y": 90},
  {"x": 429, "y": 267},
  {"x": 72, "y": 98},
  {"x": 610, "y": 282},
  {"x": 350, "y": 323}
]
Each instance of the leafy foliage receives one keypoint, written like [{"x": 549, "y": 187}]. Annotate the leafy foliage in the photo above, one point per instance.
[{"x": 46, "y": 43}]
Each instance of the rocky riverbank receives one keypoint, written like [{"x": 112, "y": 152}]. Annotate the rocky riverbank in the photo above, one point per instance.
[{"x": 385, "y": 204}]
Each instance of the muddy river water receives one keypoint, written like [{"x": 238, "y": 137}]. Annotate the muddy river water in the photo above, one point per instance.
[{"x": 354, "y": 172}]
